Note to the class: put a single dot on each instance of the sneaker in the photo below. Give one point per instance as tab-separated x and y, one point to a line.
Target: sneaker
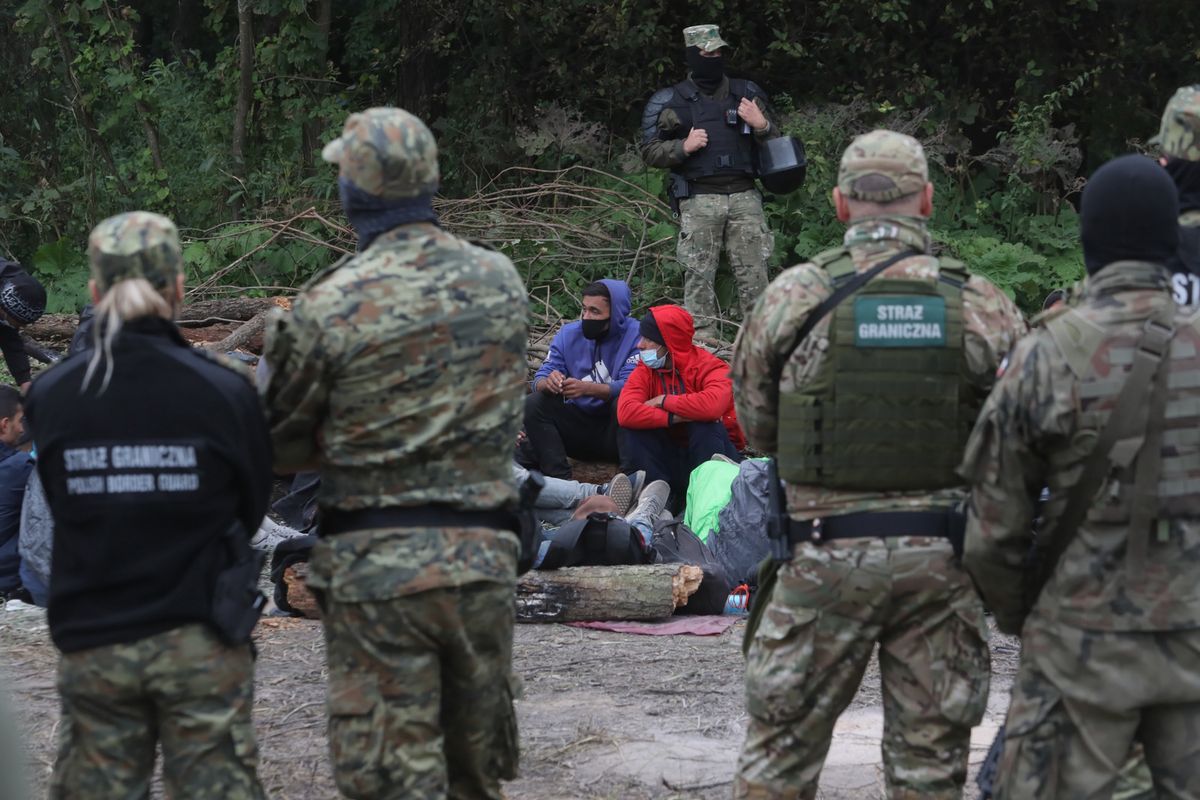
620	491
638	481
723	457
270	534
650	504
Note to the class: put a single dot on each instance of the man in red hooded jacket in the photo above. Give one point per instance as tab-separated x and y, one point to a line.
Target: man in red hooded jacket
676	410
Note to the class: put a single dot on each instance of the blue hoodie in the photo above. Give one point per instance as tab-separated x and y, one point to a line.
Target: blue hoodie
609	360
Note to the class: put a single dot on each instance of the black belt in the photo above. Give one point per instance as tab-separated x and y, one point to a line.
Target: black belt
336	521
944	523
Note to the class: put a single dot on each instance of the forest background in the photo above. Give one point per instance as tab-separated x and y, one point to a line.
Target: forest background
214	112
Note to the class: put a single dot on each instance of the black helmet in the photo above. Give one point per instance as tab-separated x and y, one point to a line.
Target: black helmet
781	164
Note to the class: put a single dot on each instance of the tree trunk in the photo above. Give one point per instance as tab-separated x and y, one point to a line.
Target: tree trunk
312	128
59	327
85	116
237	150
579	594
246	335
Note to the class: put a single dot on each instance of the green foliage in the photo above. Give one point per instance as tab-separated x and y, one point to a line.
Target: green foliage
63	269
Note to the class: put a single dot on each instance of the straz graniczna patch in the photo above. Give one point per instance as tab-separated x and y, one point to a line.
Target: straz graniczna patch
899	321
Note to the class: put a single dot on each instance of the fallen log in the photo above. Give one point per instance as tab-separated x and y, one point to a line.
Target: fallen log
299	596
59	327
248	335
580	594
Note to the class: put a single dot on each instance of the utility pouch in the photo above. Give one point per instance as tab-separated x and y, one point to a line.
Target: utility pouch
680	189
237	603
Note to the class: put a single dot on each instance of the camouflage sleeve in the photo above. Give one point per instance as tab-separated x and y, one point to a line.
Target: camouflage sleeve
299	356
772	129
665	147
1006	474
762	348
993	325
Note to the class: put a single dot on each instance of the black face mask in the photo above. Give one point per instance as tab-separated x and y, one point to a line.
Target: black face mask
595	329
707	72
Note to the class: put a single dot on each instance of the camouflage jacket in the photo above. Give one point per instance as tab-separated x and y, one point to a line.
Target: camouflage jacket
1033	433
992	325
400	374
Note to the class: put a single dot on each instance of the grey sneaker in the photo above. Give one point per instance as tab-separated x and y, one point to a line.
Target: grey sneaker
620	491
650	504
638	481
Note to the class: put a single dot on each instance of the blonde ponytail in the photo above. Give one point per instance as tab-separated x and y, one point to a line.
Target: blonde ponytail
123	301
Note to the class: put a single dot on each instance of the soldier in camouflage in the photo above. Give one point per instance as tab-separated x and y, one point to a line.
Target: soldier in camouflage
399	374
866	405
1178	140
1111	640
155	458
703	130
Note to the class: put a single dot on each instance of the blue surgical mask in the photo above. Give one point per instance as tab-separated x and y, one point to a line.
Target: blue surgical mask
652	359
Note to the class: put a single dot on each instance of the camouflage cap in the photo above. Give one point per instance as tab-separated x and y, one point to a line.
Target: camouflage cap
1179	134
387	153
137	244
706	37
882	166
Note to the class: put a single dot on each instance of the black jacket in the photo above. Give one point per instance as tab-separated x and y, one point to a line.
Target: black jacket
10	338
143	481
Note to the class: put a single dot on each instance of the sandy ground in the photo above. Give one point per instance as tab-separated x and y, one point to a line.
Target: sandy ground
604	715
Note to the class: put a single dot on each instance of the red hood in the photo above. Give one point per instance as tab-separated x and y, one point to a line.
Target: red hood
676	326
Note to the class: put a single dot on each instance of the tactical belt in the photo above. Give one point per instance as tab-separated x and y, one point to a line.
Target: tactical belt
336	521
875	525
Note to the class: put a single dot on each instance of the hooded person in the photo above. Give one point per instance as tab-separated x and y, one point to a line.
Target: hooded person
1178	140
22	302
676	410
572	408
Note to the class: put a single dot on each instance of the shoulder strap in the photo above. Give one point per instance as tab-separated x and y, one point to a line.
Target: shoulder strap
1126	426
840	293
688	90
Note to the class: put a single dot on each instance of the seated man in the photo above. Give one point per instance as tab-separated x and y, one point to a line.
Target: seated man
571	409
676	410
560	499
15	466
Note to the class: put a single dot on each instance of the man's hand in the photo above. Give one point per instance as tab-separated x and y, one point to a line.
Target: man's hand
25	387
552	383
573	388
656	402
697	138
751	114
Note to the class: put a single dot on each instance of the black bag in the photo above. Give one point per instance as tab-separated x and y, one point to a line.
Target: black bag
237	603
676	543
601	540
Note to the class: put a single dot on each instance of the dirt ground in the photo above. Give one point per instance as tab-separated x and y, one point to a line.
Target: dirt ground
604	715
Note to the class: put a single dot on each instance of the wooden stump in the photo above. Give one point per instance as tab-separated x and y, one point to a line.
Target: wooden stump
298	596
579	594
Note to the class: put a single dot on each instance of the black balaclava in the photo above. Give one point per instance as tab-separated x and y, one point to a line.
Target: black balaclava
706	72
1186	175
1129	212
370	215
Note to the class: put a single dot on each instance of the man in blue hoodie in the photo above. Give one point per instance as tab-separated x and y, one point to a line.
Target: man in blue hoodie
572	410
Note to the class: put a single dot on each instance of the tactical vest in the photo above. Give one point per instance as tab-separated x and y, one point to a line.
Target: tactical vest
1100	359
890	407
729	151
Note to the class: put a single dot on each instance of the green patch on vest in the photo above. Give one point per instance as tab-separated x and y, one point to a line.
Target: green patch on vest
899	321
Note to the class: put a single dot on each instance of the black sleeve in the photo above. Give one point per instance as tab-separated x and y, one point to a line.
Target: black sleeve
253	441
14	354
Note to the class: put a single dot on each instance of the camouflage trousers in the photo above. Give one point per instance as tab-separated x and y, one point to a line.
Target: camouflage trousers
1080	700
420	699
831	605
706	223
183	689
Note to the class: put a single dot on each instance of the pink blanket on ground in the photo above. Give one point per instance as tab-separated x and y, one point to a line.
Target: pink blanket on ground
713	625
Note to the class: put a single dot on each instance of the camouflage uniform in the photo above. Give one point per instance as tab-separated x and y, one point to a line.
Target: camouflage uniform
1105	654
400	373
203	694
183	689
1179	138
729	213
833	602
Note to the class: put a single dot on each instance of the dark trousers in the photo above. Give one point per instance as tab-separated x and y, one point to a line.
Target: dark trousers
557	429
666	458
